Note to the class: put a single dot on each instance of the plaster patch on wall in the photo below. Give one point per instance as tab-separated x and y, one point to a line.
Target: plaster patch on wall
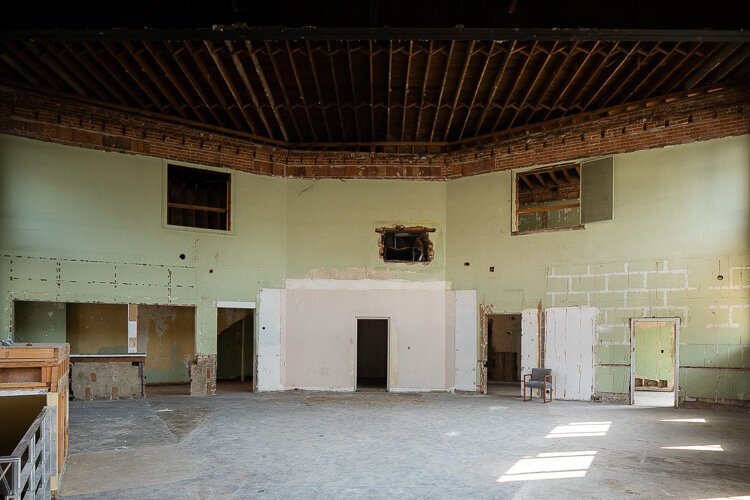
351	273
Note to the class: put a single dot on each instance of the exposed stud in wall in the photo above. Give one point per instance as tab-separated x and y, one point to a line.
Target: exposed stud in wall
492	269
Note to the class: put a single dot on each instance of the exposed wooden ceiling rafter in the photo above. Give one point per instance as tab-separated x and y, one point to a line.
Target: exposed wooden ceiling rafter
363	95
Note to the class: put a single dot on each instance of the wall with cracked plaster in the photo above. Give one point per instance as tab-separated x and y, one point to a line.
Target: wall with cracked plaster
682	218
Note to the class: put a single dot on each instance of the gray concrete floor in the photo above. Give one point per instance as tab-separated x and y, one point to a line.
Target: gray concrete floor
380	445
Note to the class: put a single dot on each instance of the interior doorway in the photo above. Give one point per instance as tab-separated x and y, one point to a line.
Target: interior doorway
235	353
654	363
372	354
503	352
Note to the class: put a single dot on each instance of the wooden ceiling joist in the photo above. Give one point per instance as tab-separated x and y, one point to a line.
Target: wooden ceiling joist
369	92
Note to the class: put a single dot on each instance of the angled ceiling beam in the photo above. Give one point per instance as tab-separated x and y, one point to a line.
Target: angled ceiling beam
19	68
233	91
511	91
317	87
136	54
336	90
634	73
644	81
672	76
495	85
372	95
79	54
571	80
100	57
477	86
266	88
611	76
301	91
135	75
176	82
389	91
733	62
53	65
711	64
210	106
461	79
541	180
531	87
75	69
423	94
280	79
588	79
354	90
406	89
526	181
33	64
442	89
217	93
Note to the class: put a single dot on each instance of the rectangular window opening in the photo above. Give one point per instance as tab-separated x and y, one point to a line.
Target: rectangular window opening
198	198
548	198
406	244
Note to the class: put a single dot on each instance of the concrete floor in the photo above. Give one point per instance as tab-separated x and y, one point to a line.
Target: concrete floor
381	445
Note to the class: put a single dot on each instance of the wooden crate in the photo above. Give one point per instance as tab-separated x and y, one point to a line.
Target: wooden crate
41	368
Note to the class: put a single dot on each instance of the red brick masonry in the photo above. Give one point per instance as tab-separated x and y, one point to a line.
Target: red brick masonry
76	123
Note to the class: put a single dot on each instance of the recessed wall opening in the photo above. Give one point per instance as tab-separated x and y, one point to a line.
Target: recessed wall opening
198	198
89	328
406	244
167	335
372	354
654	363
503	350
234	350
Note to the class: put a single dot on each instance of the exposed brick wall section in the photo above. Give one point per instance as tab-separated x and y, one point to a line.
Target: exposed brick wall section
66	121
39	116
708	117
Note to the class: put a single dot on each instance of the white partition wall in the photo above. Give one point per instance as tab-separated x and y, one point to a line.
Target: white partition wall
467	340
529	340
320	332
569	350
269	359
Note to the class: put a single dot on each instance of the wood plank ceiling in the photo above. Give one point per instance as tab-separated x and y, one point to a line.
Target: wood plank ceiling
359	94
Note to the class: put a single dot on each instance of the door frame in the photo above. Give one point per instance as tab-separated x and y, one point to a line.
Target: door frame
387	349
238	304
676	321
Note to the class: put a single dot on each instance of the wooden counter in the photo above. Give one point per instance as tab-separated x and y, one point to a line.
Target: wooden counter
37	369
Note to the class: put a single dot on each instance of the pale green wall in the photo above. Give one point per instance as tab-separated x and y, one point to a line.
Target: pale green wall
683	207
654	351
39	322
331	227
78	225
83	225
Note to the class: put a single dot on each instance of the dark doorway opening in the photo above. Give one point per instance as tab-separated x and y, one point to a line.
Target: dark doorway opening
234	350
504	348
372	354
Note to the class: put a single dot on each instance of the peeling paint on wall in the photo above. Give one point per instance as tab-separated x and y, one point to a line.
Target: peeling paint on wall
167	335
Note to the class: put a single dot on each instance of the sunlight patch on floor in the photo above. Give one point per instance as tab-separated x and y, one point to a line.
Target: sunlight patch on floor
705	447
561	465
580	429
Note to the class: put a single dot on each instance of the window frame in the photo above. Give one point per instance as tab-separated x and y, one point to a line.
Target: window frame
165	198
515	205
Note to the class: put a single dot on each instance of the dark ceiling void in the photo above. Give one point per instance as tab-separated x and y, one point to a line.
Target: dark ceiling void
364	95
333	14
